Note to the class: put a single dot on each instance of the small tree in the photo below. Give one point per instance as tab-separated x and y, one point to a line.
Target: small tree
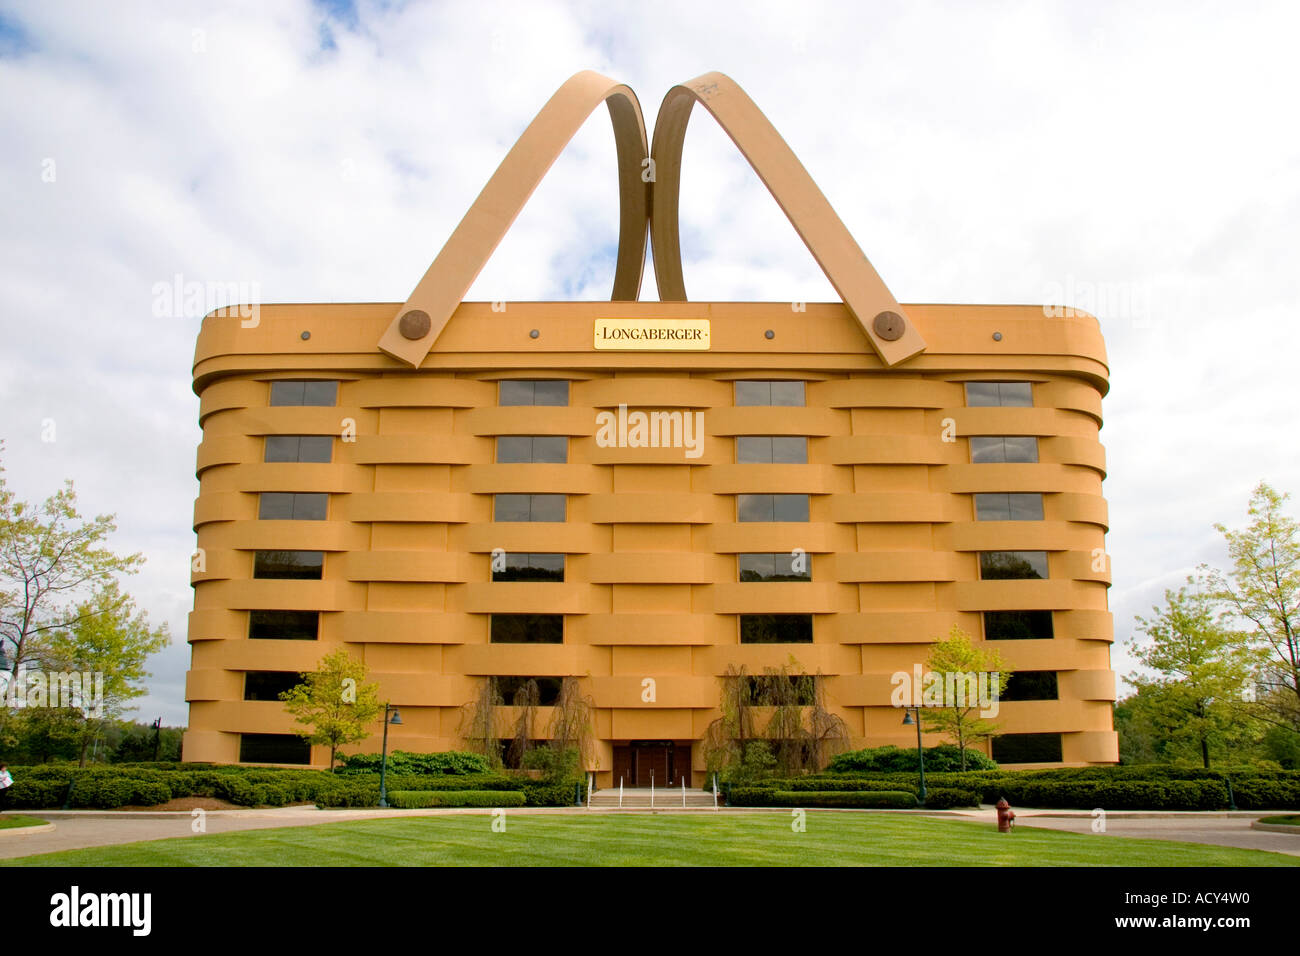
334	702
526	701
570	727
1262	590
478	722
107	637
726	738
957	717
1200	662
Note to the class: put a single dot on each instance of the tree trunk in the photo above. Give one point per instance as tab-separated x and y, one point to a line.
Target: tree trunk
1205	752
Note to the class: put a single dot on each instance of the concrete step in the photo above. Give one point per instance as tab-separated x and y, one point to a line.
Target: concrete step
640	798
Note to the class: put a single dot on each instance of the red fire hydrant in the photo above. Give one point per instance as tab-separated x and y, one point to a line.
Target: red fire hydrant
1006	816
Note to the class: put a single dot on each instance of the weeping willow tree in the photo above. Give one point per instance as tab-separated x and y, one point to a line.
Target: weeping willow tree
727	737
570	726
478	722
828	734
526	701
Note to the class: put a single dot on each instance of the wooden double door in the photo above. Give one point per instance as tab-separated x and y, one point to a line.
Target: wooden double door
638	761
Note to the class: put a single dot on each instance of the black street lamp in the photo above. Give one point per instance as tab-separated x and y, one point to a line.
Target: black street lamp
383	760
920	754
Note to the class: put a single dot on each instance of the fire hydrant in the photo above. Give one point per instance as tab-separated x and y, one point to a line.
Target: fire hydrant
1006	816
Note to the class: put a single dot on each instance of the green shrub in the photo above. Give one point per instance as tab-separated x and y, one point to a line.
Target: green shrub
38	794
942	758
833	782
944	798
401	761
539	793
1260	794
1117	795
419	799
860	799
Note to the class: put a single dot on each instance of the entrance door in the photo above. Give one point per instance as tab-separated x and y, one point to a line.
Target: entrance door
669	762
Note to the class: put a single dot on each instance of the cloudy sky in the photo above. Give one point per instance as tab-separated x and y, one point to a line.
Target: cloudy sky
1139	161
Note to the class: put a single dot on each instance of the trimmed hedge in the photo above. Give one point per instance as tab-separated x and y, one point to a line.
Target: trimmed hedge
944	757
858	799
946	798
401	761
420	799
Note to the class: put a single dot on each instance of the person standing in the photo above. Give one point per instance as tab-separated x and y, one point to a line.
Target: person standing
6	781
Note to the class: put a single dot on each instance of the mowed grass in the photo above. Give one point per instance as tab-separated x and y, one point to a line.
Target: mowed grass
751	839
10	823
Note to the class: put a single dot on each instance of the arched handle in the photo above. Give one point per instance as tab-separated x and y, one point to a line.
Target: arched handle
882	319
424	315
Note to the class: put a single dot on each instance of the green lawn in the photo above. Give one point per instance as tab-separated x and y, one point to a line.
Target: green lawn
9	823
753	839
1293	821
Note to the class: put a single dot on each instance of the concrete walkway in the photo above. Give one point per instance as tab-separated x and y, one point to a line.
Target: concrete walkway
76	829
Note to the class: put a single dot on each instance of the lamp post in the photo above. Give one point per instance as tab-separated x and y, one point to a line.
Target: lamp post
920	754
383	760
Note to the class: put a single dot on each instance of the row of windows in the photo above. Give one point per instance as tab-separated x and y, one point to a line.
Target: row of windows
994	566
998	625
314	506
512	449
292	749
1022	686
556	392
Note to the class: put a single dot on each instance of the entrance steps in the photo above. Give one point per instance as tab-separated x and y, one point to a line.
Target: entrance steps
638	798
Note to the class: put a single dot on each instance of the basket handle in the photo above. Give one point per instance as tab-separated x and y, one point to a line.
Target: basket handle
456	267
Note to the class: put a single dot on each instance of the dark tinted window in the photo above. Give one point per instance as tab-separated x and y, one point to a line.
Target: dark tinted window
527	628
779	566
533	392
999	393
299	448
289	564
1013	506
1031	685
1004	565
772	507
779	449
1018	625
1003	448
304	393
1027	748
528	508
284	625
776	629
273	748
292	506
530	567
548	689
532	448
268	685
769	393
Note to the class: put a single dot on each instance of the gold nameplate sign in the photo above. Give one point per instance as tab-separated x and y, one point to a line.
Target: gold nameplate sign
653	335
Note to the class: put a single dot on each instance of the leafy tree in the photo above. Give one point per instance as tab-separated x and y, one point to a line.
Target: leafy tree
1262	590
478	722
1201	663
334	702
726	738
570	728
108	637
960	718
526	700
51	558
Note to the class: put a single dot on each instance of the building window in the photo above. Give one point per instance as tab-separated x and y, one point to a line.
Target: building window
283	625
299	448
292	506
1031	685
530	567
1012	565
1018	394
548	688
269	685
776	566
527	628
528	508
512	449
1027	748
992	449
533	392
779	449
304	393
776	629
273	748
1018	625
1012	506
772	507
770	393
290	565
